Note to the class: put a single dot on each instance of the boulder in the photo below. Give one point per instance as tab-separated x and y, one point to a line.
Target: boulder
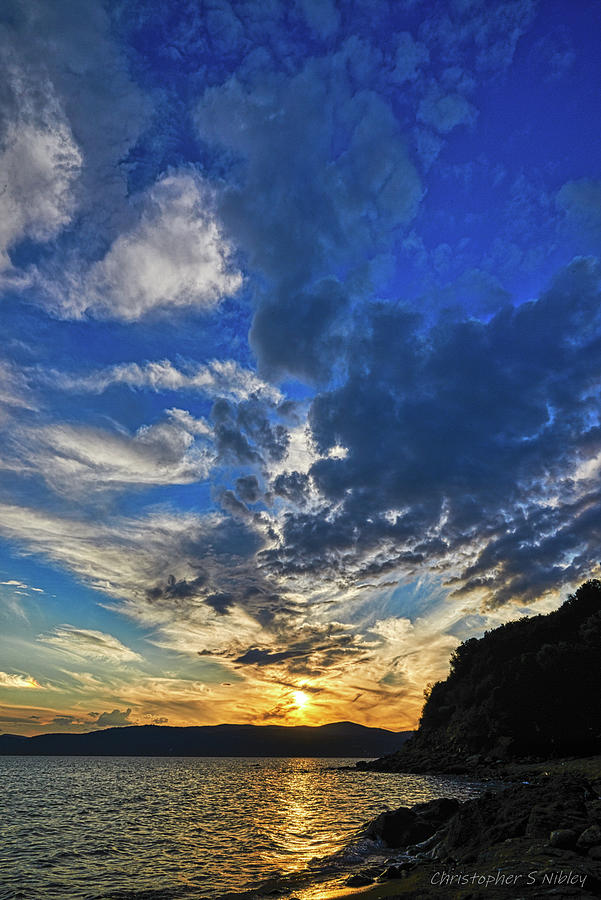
590	837
404	826
563	838
398	828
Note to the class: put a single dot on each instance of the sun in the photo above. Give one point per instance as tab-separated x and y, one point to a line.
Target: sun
300	699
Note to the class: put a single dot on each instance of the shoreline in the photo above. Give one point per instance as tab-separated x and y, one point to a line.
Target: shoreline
533	863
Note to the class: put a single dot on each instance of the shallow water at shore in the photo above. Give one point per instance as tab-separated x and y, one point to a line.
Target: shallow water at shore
85	828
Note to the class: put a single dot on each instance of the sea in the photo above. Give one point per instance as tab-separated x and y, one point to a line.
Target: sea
130	828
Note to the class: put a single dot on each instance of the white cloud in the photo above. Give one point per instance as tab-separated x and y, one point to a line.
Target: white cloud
21	584
174	255
10	680
14	387
39	163
66	76
85	642
218	378
121	556
72	458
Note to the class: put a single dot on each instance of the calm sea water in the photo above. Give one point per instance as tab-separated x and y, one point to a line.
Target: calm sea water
89	827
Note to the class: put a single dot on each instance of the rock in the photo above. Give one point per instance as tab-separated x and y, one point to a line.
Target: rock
398	871
398	828
405	826
533	811
564	838
436	812
591	837
358	879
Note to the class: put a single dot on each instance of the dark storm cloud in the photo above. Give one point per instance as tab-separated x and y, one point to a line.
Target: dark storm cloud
248	489
466	431
308	651
245	433
178	590
293	486
220	602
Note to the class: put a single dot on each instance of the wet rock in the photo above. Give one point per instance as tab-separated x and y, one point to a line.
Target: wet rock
590	837
405	826
564	838
359	879
398	828
396	871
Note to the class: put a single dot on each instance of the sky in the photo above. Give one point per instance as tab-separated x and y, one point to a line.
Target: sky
301	357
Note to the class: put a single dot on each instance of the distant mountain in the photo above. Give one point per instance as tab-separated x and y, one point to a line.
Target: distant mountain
337	739
528	688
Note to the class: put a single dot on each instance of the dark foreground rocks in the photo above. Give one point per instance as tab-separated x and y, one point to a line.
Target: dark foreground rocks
405	826
531	840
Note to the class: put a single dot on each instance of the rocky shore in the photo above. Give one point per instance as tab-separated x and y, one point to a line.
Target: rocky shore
537	839
540	837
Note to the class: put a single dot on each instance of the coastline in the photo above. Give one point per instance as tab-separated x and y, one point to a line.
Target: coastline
527	838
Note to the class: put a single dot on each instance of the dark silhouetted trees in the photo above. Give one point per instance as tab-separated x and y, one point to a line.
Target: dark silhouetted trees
530	687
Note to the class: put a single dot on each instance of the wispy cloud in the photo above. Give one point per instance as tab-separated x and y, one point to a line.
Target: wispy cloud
86	643
12	680
76	458
218	378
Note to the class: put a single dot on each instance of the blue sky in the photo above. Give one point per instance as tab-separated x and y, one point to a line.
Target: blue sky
300	375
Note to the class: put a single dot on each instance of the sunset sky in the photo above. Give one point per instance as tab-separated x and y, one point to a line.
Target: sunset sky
301	357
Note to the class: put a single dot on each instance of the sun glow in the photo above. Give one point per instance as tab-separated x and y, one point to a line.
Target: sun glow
300	699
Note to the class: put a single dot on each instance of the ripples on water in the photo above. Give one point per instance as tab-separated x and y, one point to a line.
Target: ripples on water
89	827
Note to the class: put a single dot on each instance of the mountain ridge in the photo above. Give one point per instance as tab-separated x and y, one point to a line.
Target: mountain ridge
332	739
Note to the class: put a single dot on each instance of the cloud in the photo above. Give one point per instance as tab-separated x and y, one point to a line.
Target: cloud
410	56
76	458
86	643
126	556
11	680
21	584
443	111
218	378
174	255
247	488
15	390
39	163
487	34
580	201
71	114
246	433
351	195
116	717
462	443
321	15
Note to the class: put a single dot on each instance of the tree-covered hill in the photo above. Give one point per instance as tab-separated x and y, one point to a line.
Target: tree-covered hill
528	688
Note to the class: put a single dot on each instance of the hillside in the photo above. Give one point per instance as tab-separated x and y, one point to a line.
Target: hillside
337	739
528	688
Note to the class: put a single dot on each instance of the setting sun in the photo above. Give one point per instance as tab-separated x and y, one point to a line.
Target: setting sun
300	698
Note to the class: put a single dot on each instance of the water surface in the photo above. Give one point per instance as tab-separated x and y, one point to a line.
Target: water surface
121	827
